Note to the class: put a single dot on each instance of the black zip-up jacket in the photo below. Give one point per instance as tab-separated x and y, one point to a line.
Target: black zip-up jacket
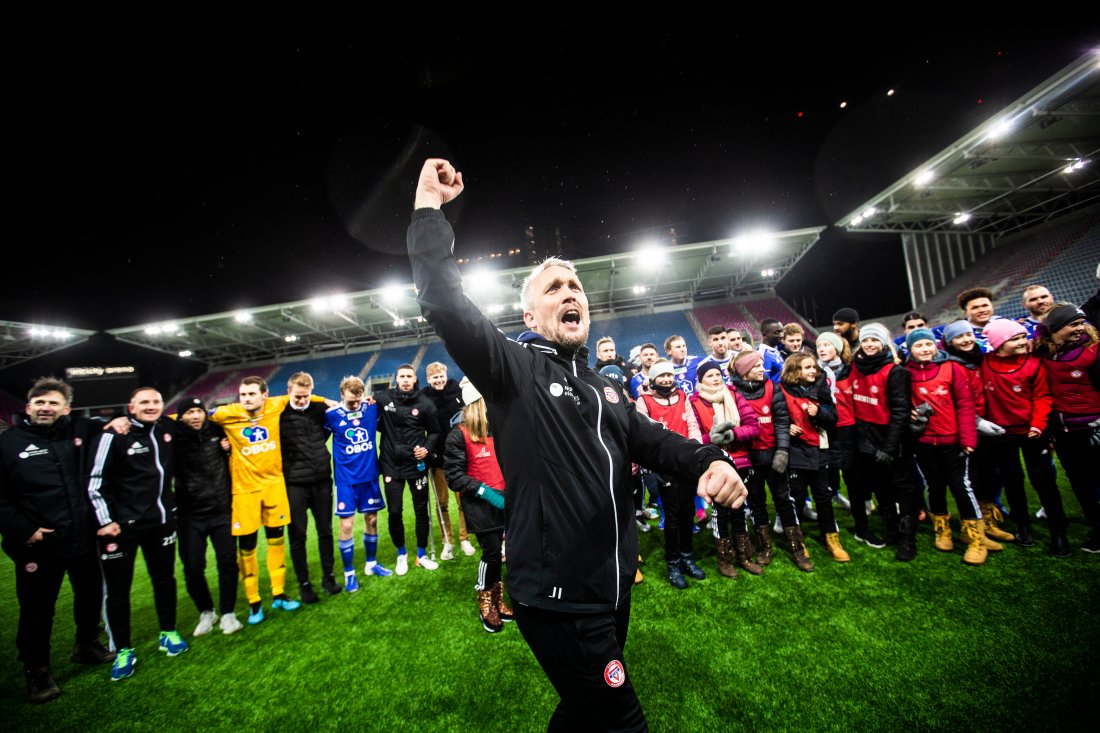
448	404
306	460
406	420
131	477
781	417
565	439
891	438
802	454
43	484
481	516
203	486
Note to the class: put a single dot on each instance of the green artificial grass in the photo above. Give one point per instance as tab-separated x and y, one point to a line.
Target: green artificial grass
871	645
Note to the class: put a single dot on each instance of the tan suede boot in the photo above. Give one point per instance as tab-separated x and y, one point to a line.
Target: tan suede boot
832	544
942	526
975	549
991	517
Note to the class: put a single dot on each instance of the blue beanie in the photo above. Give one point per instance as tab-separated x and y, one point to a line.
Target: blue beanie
953	330
918	334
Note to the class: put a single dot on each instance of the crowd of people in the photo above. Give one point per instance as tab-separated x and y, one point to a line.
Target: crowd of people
555	457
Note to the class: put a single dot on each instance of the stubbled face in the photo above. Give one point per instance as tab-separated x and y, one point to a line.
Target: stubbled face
774	334
406	380
1069	333
1015	346
914	323
792	343
979	311
923	351
299	396
719	345
807	373
873	347
965	342
647	357
844	329
677	351
713	378
351	400
559	311
606	352
736	342
147	405
252	399
438	380
1038	301
193	418
46	409
825	351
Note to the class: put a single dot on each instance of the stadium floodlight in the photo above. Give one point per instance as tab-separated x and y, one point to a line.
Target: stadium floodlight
392	293
961	218
650	256
337	301
290	338
495	308
767	273
755	242
924	178
480	280
889	92
399	322
1001	129
186	353
153	330
843	105
517	306
639	289
242	317
1075	165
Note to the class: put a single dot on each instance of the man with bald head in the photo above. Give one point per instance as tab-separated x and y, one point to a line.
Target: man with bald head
566	439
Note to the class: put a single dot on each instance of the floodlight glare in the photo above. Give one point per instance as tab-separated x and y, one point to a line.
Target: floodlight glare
924	178
843	105
639	289
290	338
961	218
392	293
339	301
153	330
399	322
756	242
1075	166
889	92
495	308
242	317
650	256
185	353
480	279
1001	129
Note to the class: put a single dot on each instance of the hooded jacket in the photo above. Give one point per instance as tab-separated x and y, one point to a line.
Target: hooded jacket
202	470
43	484
448	404
565	437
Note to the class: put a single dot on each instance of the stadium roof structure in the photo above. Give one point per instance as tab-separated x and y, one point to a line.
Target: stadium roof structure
22	341
1035	160
634	282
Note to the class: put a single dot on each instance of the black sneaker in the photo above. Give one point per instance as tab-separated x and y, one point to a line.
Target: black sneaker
687	564
676	576
330	586
91	653
1092	542
40	686
907	549
1059	545
1024	537
870	539
307	593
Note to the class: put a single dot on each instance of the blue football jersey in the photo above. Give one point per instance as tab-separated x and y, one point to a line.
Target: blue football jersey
353	443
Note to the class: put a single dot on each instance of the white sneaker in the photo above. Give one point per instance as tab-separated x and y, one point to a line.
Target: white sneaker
842	501
448	552
870	505
402	565
809	512
206	623
427	563
1041	514
777	528
503	555
468	549
229	624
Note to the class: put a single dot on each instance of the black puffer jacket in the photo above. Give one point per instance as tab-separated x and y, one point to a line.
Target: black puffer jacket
803	455
406	420
565	437
448	404
202	470
306	460
43	484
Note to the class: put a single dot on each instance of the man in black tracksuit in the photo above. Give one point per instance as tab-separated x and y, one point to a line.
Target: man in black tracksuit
410	434
48	530
203	494
131	493
565	438
307	469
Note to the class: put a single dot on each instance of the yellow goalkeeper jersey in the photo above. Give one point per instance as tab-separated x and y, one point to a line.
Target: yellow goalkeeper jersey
256	460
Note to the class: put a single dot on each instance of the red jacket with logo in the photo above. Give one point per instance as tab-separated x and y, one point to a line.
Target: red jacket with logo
1017	396
944	385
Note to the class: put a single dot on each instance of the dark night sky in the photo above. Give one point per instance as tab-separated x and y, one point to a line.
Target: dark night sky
178	176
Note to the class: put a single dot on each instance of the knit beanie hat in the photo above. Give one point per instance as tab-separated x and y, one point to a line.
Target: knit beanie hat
918	334
190	403
470	395
1061	316
705	366
846	315
745	363
661	367
833	338
875	331
953	330
1000	330
614	373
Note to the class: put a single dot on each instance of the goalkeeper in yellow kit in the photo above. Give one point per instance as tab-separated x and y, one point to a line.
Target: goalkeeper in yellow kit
259	492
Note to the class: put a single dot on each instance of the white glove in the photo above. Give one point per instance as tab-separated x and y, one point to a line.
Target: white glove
989	428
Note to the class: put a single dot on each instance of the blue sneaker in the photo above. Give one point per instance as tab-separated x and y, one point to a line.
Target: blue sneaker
286	603
380	570
123	666
171	643
351	583
256	617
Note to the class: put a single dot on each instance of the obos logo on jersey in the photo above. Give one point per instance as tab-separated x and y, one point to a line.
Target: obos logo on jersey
614	674
257	439
359	439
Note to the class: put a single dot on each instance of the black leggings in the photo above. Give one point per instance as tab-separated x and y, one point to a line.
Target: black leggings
999	455
817	482
678	501
395	490
781	497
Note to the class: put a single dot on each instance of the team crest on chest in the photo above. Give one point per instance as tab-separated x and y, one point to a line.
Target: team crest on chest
610	395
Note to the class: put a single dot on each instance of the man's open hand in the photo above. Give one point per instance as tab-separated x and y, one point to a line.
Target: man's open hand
439	184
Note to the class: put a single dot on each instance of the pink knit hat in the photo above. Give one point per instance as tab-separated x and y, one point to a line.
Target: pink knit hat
744	363
1000	330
